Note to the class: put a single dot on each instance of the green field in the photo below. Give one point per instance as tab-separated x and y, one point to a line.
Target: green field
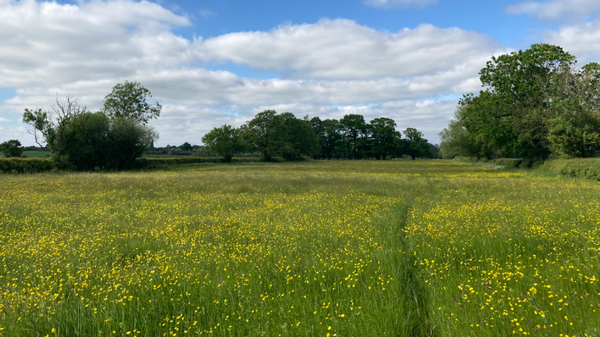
36	154
340	248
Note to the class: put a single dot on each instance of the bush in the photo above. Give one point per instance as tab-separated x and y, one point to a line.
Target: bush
11	148
588	168
19	165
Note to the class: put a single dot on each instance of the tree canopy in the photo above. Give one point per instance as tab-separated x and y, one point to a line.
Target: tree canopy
128	100
534	103
83	140
275	134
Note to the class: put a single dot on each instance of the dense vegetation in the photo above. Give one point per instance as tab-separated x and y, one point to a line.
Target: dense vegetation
283	135
536	103
114	137
346	248
108	139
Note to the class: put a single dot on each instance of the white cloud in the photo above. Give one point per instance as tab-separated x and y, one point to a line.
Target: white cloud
342	49
49	49
556	9
387	4
582	40
50	43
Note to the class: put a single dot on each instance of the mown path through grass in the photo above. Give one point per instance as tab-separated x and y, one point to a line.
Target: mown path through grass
299	249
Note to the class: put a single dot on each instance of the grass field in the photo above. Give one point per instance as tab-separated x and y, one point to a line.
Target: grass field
36	154
342	248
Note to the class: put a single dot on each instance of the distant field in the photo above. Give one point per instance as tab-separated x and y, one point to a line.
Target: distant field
36	154
341	248
163	156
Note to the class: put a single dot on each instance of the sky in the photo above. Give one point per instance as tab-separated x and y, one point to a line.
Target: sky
215	62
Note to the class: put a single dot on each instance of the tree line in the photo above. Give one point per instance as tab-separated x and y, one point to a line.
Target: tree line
535	104
283	135
117	134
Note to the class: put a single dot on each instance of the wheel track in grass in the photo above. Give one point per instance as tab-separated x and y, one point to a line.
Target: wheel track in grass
411	286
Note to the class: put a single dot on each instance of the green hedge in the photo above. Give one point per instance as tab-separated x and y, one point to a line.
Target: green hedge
588	168
35	165
22	165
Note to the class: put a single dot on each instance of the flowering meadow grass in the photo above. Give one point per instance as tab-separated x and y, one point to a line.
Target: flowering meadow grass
341	248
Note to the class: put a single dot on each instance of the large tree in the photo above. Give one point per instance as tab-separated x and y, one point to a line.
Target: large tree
11	148
56	126
354	126
109	139
263	134
416	145
513	109
225	140
299	139
574	129
383	133
128	100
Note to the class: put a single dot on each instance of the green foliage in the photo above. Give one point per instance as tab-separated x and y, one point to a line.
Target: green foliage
58	126
186	146
299	139
88	145
263	134
329	137
511	114
535	104
11	148
40	125
128	100
279	135
128	140
353	125
456	140
19	165
588	168
574	135
383	135
574	128
416	145
226	141
82	140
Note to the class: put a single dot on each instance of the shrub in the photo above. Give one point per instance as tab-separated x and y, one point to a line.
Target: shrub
11	148
588	168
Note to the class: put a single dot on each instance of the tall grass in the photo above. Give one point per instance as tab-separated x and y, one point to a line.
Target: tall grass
315	248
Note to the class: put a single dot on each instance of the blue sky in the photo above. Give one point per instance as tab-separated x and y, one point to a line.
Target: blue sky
220	62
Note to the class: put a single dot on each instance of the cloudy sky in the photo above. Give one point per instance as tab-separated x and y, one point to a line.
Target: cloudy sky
219	62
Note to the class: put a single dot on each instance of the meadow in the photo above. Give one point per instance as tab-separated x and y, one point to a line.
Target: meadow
319	248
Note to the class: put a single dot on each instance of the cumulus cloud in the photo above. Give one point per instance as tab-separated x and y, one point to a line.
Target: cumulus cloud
387	4
343	49
556	9
582	40
327	68
49	43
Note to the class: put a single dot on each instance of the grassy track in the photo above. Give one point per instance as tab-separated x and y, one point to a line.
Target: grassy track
298	249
